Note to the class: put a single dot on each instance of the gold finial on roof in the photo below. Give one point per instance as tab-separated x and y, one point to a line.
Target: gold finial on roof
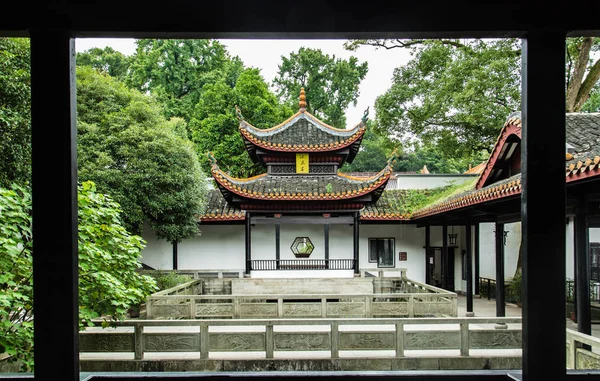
302	102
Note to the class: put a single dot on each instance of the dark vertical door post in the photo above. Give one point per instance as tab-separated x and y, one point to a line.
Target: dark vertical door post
277	244
445	256
428	265
543	204
477	259
356	222
582	277
469	271
54	203
500	300
326	238
248	243
174	255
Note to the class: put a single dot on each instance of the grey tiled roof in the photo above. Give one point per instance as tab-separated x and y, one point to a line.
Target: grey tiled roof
302	132
218	209
301	187
583	133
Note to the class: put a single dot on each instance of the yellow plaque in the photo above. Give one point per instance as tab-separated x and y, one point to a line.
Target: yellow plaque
301	163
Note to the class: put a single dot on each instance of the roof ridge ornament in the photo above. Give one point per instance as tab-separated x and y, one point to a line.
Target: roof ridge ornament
211	158
302	102
238	113
393	157
365	116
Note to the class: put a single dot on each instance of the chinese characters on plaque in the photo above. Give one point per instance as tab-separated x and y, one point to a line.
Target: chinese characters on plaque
302	163
402	255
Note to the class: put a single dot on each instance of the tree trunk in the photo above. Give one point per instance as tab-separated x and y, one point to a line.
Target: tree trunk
587	86
578	73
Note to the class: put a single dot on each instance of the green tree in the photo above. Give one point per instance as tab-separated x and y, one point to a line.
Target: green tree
330	84
15	114
375	150
106	60
419	155
214	125
142	160
456	94
176	70
453	94
583	73
108	259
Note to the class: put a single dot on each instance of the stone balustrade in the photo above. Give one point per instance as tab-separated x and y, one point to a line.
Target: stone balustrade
394	337
404	298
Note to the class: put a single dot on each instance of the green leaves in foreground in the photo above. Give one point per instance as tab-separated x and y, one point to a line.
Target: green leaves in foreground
108	259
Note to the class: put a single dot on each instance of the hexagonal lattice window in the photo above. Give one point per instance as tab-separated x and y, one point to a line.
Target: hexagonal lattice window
302	247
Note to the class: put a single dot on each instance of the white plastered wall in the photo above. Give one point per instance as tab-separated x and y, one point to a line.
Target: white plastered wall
407	238
487	250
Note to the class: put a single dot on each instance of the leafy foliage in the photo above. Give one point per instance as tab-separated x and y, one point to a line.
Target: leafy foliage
170	279
455	95
109	257
330	84
108	261
452	94
16	278
143	161
15	111
375	149
106	60
214	125
176	70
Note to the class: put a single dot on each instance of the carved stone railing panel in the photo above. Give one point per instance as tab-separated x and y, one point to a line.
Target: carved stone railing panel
346	309
207	310
397	309
367	340
106	342
302	310
431	340
258	310
236	342
171	310
495	339
432	308
296	341
586	359
171	342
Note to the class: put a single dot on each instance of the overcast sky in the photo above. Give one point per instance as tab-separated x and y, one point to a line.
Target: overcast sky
266	55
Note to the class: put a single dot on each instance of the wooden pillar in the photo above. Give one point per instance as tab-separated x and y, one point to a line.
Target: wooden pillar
54	202
444	256
477	258
427	250
277	244
356	222
248	243
469	271
326	239
500	300
543	204
174	255
582	268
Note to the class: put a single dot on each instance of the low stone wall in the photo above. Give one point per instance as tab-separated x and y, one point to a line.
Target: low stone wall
578	357
385	340
290	286
290	298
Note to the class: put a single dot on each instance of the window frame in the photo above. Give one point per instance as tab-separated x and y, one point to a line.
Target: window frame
378	260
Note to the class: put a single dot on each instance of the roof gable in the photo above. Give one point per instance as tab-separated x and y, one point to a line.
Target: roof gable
505	159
